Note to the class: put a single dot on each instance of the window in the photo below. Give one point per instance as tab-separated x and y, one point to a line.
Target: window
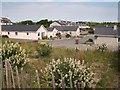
27	33
16	33
8	33
38	34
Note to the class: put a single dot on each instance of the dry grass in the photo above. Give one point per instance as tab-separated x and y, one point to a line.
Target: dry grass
105	63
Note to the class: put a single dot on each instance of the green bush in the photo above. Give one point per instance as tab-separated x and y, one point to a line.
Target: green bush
5	36
68	67
68	35
44	49
45	37
91	31
58	35
14	53
89	40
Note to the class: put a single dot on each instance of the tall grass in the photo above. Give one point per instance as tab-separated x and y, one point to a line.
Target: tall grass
105	63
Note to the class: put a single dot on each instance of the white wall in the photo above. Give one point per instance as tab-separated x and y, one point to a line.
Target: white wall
52	33
109	41
84	27
73	33
78	32
41	30
21	35
54	24
49	34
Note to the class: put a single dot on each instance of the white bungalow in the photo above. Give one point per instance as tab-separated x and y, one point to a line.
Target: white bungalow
32	32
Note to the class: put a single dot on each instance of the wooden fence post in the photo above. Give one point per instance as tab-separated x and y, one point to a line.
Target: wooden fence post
63	83
71	82
30	80
12	75
17	75
22	79
9	75
38	80
6	71
80	87
3	78
1	66
53	81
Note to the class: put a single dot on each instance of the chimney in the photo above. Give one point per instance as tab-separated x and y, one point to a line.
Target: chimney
115	27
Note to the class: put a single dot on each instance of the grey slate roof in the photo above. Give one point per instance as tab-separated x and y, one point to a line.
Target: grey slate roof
50	29
103	30
20	28
66	28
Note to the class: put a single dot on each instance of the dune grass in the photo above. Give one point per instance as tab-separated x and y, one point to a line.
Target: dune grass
105	63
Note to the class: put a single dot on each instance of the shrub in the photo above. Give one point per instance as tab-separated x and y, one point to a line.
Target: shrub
58	35
89	40
67	68
45	37
5	36
44	49
91	31
68	35
14	53
102	47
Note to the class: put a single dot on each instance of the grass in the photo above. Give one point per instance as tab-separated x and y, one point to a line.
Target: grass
105	63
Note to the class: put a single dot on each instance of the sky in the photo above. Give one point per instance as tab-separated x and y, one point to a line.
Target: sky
54	10
60	0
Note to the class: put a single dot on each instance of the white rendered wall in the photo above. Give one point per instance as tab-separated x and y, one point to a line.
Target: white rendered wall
109	41
21	35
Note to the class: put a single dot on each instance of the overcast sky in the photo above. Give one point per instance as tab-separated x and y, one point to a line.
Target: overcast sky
74	11
60	0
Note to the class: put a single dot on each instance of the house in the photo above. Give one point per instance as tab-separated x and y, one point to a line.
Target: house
58	23
32	32
106	35
74	31
5	21
35	32
65	23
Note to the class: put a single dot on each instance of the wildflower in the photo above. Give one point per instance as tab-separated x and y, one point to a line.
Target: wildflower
67	67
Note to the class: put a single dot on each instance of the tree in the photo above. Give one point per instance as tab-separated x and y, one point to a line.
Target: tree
44	22
26	22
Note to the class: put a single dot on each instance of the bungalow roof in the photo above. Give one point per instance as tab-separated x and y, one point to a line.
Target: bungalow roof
106	31
66	28
20	28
